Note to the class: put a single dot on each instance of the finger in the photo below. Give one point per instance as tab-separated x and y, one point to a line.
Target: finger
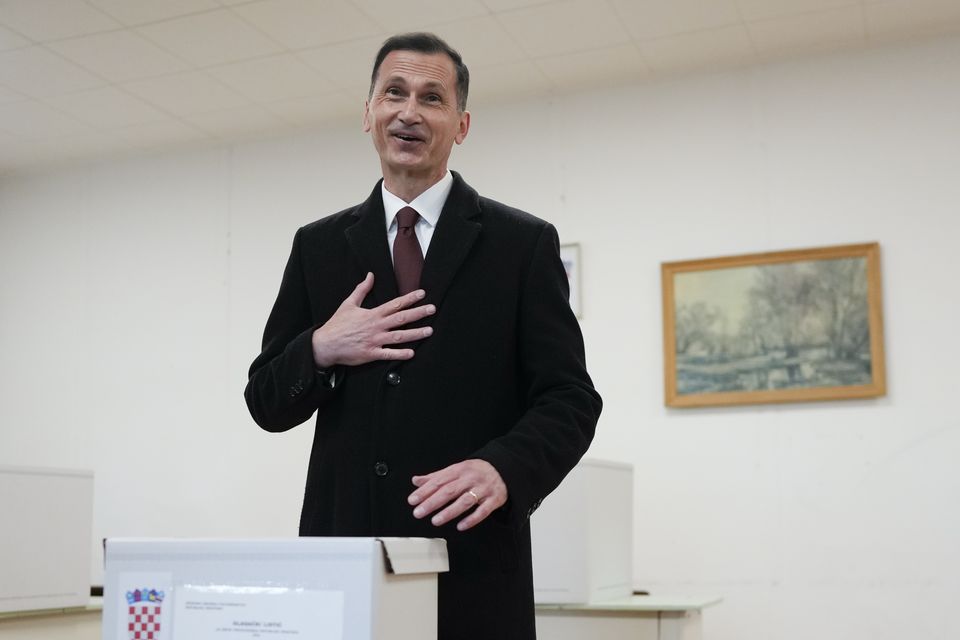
478	515
361	290
429	482
401	302
406	316
454	510
392	354
485	507
437	497
408	335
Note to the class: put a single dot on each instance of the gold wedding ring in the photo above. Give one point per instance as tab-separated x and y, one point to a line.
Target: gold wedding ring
475	497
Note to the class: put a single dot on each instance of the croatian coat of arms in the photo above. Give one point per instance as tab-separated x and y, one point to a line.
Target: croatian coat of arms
143	614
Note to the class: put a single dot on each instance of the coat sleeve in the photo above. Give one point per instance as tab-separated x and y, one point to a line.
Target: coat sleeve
284	387
562	405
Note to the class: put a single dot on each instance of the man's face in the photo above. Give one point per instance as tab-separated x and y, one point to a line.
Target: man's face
412	114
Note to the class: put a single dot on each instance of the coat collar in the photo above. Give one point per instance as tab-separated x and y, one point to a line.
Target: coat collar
452	240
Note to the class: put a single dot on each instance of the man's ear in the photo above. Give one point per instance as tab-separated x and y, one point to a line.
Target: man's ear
464	127
366	116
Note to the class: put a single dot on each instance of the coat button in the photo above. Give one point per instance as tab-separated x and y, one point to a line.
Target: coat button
381	469
393	378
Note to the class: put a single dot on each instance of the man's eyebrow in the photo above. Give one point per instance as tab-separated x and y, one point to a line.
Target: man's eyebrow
429	84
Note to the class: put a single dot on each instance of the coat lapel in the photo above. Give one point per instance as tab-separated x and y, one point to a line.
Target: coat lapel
455	234
368	240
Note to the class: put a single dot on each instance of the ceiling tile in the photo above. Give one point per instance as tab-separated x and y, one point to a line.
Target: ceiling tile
238	123
210	38
11	40
186	93
84	146
348	65
905	18
119	56
509	5
37	72
481	41
301	24
809	31
137	12
9	95
712	48
416	15
14	151
54	19
515	79
32	119
564	27
611	65
648	19
19	154
270	79
311	111
753	10
162	135
107	108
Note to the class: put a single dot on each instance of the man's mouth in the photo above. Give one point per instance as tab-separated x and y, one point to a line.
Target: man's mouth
407	138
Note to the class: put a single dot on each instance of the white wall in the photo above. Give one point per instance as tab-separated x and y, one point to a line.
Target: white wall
133	296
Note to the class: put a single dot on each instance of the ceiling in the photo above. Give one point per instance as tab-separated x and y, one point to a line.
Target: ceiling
82	79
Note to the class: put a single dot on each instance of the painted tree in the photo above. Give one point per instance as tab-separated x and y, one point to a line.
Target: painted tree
694	325
841	295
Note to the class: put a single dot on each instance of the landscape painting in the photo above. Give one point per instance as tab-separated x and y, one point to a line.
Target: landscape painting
774	327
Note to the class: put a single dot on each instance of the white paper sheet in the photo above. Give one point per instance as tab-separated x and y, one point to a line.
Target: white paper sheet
221	612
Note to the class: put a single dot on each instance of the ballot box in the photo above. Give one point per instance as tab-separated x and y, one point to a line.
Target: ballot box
582	536
46	538
289	589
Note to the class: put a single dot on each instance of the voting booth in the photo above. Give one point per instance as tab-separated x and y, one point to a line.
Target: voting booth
291	589
582	536
46	538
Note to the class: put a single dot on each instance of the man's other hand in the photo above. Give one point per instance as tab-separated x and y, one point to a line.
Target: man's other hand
354	335
455	490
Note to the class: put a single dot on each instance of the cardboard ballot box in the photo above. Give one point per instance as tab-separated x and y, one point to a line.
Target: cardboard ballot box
582	536
291	589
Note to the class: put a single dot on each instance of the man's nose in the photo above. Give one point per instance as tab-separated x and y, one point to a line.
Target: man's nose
410	112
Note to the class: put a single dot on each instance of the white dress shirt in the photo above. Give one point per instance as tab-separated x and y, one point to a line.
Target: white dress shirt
428	204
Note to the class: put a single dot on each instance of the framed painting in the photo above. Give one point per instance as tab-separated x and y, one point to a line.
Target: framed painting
787	326
570	256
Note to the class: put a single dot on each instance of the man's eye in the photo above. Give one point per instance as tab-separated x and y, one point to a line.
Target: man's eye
392	91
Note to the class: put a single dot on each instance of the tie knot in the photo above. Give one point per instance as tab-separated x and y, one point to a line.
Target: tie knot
407	217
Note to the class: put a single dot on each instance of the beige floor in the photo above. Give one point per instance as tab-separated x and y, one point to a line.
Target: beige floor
84	625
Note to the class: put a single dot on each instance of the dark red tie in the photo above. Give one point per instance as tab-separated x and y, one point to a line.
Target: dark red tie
407	256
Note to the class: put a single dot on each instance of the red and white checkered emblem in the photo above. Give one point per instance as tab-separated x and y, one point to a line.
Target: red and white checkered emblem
143	622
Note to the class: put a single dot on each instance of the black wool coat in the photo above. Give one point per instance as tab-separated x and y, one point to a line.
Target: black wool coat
502	379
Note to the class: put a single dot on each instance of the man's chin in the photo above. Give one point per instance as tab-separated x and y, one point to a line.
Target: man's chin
407	164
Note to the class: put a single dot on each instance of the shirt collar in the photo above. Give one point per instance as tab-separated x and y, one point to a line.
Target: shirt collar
428	204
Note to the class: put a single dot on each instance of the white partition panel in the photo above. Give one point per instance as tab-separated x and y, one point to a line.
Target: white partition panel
46	524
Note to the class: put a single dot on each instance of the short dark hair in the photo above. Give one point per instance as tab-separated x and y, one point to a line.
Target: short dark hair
425	43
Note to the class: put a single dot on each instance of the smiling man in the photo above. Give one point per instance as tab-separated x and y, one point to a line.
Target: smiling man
429	330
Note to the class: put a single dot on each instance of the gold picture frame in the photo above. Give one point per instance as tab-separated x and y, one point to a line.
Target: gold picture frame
785	326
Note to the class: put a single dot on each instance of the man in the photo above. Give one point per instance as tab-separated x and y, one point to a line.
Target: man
450	390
